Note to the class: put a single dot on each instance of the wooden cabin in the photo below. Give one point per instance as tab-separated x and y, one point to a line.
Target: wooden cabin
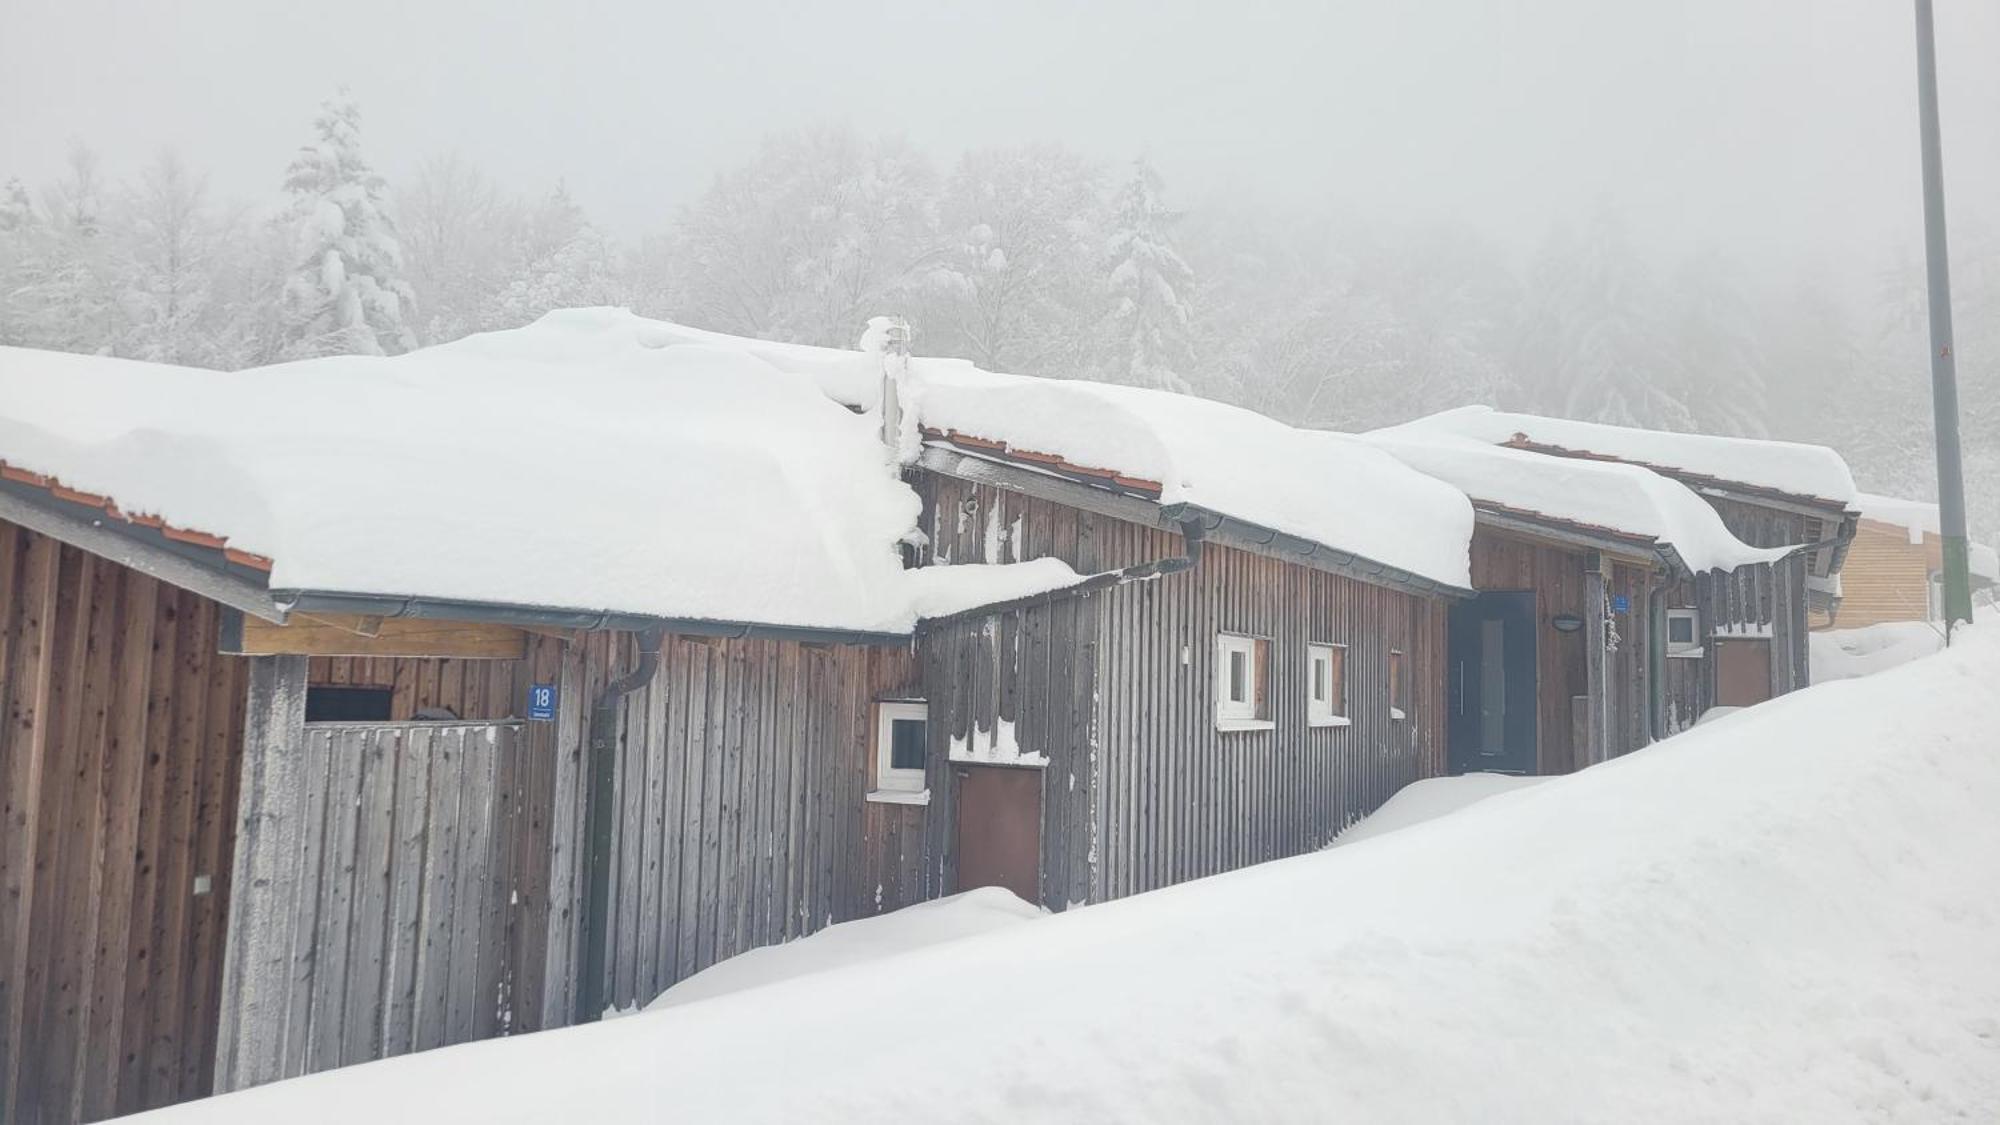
257	825
1732	635
1894	567
1243	707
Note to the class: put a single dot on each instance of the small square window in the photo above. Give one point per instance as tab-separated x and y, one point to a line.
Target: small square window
1242	699
1326	689
902	738
1683	632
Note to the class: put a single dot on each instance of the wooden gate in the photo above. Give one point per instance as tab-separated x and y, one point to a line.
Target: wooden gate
415	860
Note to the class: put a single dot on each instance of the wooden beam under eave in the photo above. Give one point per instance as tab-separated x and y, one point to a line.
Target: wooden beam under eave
352	635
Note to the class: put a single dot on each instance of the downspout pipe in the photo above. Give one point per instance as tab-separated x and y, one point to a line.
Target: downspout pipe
599	820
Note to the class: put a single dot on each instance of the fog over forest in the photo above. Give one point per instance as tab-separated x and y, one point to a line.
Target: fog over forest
1707	218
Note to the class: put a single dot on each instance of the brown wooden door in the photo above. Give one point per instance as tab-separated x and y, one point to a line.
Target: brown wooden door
1000	829
1742	671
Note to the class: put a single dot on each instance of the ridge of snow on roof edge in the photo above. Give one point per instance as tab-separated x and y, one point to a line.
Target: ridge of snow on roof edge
1800	469
1613	496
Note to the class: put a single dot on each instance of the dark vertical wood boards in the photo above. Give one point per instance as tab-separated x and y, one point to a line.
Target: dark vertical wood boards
120	738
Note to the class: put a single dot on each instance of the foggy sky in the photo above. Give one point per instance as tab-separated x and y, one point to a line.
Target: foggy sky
1783	130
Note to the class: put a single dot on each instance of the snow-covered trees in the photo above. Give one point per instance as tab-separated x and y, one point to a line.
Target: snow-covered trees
59	290
1028	258
1592	344
1014	285
346	292
818	232
1147	328
563	262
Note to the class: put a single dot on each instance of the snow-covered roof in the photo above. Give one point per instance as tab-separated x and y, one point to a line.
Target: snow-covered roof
1920	518
592	460
1805	471
1332	489
1606	496
599	461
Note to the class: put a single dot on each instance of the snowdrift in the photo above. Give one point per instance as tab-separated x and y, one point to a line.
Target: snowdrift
1786	916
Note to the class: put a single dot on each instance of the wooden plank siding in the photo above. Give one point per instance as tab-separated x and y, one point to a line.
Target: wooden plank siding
120	737
1555	575
1117	690
1759	598
1887	577
742	817
406	889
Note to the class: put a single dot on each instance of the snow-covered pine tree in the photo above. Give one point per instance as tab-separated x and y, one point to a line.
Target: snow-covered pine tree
1147	338
1591	344
346	293
565	262
1013	289
57	291
16	208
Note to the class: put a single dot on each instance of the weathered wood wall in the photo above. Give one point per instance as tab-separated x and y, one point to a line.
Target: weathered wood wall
742	815
1761	599
1117	690
422	852
120	737
1771	596
1555	575
490	690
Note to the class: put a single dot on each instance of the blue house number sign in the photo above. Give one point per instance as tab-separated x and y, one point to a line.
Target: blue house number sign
542	701
1620	603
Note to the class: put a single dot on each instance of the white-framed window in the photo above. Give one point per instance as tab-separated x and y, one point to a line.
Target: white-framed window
1683	632
902	739
1399	686
1242	698
1326	686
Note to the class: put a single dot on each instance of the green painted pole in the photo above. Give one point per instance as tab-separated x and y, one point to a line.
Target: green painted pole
1944	364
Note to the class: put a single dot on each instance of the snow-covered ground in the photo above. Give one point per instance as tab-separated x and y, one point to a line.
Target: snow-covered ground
1786	916
1433	797
1842	654
926	924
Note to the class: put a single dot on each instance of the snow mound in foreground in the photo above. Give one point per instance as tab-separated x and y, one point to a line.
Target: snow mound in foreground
1842	654
1422	801
922	926
1786	916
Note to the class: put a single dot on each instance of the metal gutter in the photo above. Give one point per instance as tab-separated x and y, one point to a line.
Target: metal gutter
161	560
543	617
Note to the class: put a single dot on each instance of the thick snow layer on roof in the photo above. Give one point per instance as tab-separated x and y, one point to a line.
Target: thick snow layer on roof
1802	470
1920	518
1332	489
1785	916
1626	499
593	460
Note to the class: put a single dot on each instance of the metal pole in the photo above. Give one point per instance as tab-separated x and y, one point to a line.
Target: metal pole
1944	366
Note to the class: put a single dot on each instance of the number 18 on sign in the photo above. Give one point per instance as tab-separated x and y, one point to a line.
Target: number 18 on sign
542	702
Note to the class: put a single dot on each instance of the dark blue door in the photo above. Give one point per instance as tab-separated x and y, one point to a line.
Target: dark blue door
1491	684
